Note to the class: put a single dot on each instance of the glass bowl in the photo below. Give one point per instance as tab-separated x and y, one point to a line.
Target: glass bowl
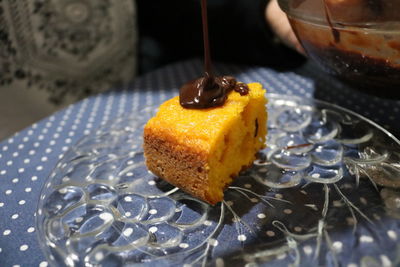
356	40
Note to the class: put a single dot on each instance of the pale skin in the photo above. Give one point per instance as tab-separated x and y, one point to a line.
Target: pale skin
279	23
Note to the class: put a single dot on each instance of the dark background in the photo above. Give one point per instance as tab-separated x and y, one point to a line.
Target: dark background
171	31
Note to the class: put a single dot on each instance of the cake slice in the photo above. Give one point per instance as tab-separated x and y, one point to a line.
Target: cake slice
202	150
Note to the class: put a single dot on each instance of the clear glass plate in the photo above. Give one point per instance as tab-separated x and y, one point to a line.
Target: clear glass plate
324	192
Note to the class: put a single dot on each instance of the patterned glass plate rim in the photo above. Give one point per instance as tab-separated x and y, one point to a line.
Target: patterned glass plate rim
311	101
325	168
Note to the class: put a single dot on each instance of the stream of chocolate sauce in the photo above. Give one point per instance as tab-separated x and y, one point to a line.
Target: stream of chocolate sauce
210	90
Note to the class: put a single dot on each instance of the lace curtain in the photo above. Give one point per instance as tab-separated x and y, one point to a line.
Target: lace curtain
67	47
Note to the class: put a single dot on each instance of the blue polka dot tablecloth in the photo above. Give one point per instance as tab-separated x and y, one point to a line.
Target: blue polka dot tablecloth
28	157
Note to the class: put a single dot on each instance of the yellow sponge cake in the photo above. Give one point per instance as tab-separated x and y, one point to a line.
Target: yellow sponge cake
201	150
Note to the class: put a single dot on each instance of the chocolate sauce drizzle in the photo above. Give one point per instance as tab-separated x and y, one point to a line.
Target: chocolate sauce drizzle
210	90
335	32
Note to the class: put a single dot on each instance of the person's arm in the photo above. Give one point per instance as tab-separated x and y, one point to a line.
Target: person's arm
279	23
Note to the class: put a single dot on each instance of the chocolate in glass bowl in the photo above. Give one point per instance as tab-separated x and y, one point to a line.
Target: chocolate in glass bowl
356	40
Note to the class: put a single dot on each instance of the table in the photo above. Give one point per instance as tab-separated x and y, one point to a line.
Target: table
28	157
